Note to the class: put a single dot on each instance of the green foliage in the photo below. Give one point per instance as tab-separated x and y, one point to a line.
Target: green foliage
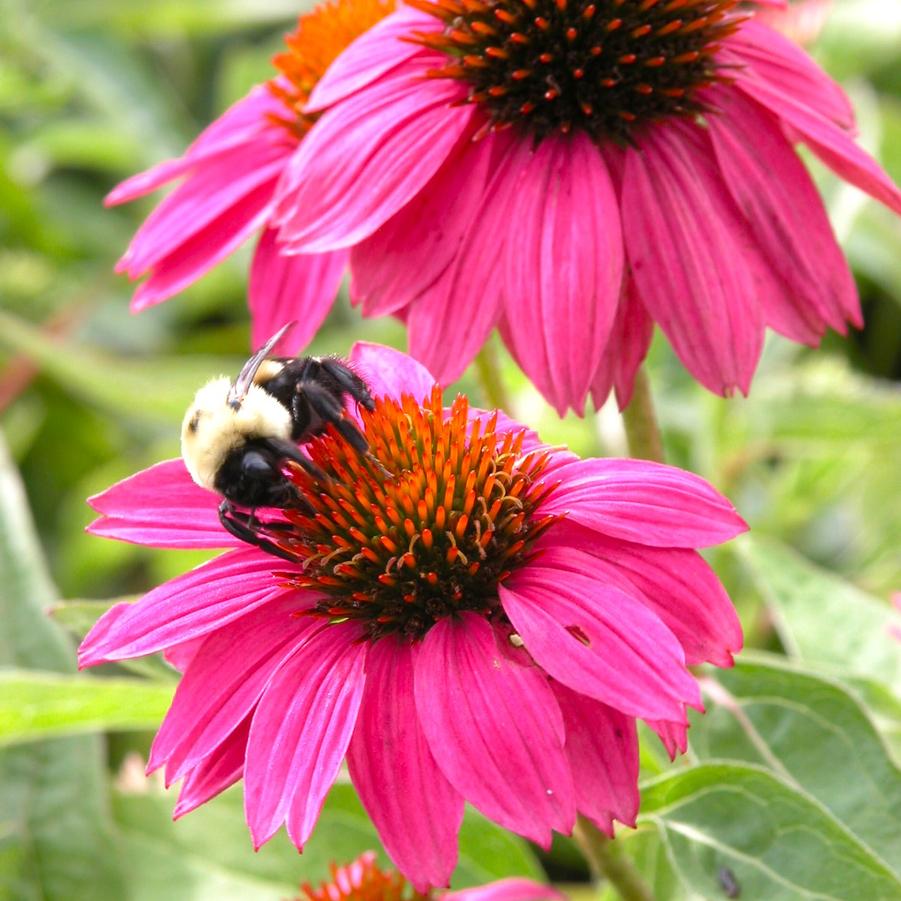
792	782
776	842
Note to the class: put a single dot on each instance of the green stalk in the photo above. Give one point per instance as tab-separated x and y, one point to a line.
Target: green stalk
489	370
642	431
609	862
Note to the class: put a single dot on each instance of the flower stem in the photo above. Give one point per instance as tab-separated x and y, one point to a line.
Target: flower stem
607	860
489	370
642	431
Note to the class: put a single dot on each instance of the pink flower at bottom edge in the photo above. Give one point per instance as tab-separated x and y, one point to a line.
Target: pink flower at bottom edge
647	175
484	625
364	880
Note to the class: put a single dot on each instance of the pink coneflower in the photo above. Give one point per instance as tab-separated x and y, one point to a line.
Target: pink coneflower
573	171
484	625
227	194
364	880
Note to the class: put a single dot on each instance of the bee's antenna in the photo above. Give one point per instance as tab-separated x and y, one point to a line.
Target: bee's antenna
242	383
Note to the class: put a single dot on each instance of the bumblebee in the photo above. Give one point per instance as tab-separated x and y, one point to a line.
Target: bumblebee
237	436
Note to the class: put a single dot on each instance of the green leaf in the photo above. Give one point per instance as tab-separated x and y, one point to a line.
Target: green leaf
158	389
822	619
724	820
37	705
56	837
813	734
208	854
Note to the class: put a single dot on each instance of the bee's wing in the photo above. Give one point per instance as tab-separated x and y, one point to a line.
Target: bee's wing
245	377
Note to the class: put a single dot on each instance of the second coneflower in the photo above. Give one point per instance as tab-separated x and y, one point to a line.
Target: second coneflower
574	171
228	186
477	617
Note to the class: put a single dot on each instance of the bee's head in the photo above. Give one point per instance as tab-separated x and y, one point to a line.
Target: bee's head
226	414
214	426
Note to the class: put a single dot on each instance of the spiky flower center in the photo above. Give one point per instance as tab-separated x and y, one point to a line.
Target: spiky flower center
362	880
604	66
320	36
432	534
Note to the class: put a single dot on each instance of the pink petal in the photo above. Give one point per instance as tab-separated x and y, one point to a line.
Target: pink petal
627	346
415	809
786	214
391	373
495	728
223	683
373	54
674	735
564	268
299	287
223	768
677	584
181	655
244	121
599	640
203	250
199	202
649	503
602	747
513	889
410	251
692	259
791	71
829	142
194	604
162	507
366	158
450	321
300	732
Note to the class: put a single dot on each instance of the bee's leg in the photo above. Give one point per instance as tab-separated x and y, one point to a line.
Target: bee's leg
348	381
329	409
245	528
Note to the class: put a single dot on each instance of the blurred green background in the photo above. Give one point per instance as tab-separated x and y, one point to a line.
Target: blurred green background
95	90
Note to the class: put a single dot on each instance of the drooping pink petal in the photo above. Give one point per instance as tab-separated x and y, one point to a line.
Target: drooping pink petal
692	259
512	889
415	809
375	53
391	373
599	640
834	146
242	122
674	735
494	727
180	655
199	202
564	267
411	250
785	212
648	503
194	604
366	158
602	747
677	584
223	682
300	731
452	319
298	287
203	250
161	507
627	346
791	71
222	769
